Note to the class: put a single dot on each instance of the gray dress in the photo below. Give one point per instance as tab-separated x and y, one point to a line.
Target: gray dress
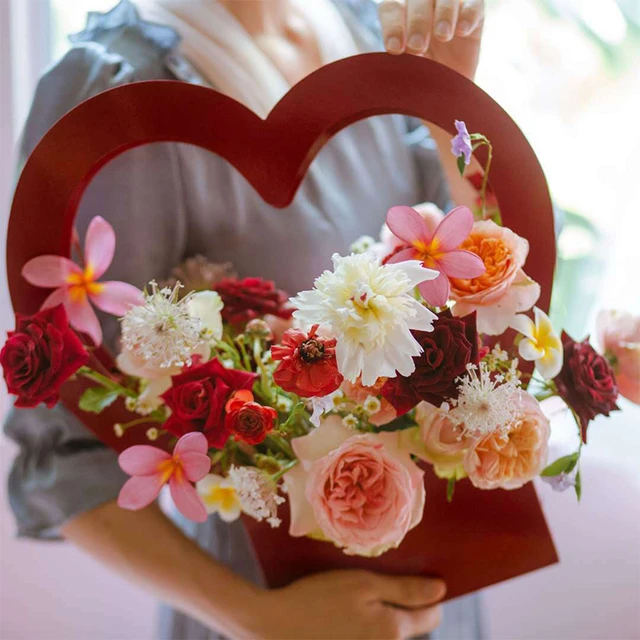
170	201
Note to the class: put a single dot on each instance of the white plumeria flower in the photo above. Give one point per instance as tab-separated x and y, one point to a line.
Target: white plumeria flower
220	496
207	305
370	310
540	343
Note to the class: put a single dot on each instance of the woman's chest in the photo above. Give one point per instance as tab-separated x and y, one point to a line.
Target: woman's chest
346	193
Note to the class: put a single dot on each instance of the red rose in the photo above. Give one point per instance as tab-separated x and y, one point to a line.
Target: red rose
197	399
447	350
247	420
308	364
251	298
586	382
39	356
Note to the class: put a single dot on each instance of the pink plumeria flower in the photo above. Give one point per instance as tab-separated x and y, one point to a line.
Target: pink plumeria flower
436	248
76	287
151	468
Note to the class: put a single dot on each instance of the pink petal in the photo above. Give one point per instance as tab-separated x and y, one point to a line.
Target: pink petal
139	492
59	296
117	298
407	224
436	292
194	442
99	246
195	465
187	500
302	519
402	256
49	271
461	264
142	460
454	228
83	318
321	441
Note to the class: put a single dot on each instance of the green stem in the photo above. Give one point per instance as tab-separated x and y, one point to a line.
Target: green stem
138	421
283	470
264	374
105	382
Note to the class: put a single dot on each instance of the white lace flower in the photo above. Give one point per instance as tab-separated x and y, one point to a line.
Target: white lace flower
258	494
162	331
485	404
369	309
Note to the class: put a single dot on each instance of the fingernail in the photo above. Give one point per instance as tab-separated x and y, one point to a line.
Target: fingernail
394	44
464	27
416	42
442	29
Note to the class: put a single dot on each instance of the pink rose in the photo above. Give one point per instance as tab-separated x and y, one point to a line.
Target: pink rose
509	462
442	442
619	337
359	491
504	289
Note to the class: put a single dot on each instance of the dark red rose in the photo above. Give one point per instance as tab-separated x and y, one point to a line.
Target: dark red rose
251	298
40	356
197	399
447	350
586	382
308	364
247	420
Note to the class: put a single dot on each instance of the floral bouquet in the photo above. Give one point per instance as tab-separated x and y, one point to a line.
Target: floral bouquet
422	348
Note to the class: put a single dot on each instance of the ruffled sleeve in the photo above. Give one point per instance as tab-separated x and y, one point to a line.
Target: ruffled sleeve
61	469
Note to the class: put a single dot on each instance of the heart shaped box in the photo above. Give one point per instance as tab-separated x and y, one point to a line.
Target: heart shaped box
482	537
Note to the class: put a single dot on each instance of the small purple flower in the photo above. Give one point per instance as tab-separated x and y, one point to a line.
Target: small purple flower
561	482
461	144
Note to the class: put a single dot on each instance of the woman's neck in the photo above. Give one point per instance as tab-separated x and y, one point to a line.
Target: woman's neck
260	16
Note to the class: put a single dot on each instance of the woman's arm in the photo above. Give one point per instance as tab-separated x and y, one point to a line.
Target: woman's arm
146	547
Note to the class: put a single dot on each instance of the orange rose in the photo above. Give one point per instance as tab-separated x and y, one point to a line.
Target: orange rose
504	289
509	462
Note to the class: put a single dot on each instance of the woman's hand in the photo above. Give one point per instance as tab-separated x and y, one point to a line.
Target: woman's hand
447	31
348	604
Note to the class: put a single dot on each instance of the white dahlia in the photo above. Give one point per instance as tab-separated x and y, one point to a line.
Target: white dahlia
370	309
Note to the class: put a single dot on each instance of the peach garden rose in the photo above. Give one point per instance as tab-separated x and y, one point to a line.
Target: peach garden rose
504	289
359	491
509	461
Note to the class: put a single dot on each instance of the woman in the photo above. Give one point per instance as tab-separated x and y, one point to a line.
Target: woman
171	201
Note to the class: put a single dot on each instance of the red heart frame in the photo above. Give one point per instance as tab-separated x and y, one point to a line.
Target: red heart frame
508	534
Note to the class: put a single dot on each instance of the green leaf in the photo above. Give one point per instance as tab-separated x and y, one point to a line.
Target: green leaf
451	486
561	465
461	165
578	485
96	399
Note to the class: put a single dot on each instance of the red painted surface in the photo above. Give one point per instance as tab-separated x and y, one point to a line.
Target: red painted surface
483	537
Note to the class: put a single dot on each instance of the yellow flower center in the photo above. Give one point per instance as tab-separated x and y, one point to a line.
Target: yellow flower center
428	253
83	284
221	498
171	468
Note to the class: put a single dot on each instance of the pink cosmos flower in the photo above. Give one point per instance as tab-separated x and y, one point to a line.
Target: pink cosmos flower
436	248
361	491
76	286
151	468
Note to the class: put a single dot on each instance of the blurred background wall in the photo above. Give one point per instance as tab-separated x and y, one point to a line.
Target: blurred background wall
568	72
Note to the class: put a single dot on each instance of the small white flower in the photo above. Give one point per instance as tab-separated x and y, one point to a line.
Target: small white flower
320	406
219	496
371	405
227	363
162	331
152	433
118	430
370	310
540	343
207	305
350	421
485	405
130	403
284	404
258	494
362	244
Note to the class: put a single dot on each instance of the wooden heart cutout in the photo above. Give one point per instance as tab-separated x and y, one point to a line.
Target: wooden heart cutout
483	536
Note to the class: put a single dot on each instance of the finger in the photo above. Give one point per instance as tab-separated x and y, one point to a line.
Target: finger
409	591
392	20
420	621
419	16
470	17
445	19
